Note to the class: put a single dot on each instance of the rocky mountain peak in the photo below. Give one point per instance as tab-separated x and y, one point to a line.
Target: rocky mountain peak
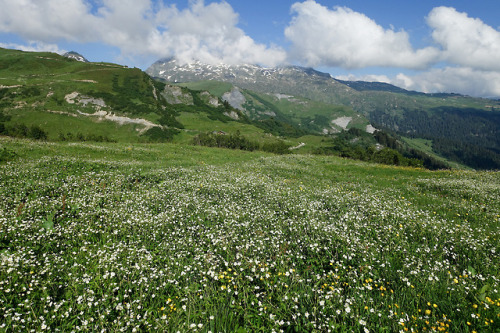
291	80
75	55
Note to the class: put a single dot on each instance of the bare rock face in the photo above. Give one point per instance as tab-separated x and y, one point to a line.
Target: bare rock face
75	55
209	99
235	98
175	95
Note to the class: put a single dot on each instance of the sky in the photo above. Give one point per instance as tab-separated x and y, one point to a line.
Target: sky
429	46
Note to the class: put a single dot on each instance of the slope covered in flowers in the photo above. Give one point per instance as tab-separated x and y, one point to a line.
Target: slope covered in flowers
169	238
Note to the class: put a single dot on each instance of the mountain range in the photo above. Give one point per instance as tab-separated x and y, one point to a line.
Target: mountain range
461	128
285	109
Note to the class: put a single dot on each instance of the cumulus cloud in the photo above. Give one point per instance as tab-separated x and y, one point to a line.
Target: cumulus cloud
341	37
464	40
140	27
462	80
209	33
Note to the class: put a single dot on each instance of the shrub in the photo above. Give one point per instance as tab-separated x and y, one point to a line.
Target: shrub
6	154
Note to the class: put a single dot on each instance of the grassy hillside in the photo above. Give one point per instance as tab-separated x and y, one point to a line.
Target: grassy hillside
164	237
69	100
308	115
62	96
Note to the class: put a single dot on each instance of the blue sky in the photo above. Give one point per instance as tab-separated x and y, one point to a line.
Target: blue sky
431	46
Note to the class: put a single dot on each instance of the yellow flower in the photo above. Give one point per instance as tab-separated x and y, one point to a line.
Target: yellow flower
428	312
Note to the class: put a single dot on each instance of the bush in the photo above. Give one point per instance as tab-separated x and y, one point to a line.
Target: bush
6	154
81	137
278	147
222	140
238	141
158	134
35	132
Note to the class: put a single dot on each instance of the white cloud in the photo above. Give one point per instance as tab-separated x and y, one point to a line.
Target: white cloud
209	33
462	80
33	47
366	78
468	49
344	38
140	27
47	20
465	41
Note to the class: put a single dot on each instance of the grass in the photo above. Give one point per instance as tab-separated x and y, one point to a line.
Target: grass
166	237
311	115
196	123
55	124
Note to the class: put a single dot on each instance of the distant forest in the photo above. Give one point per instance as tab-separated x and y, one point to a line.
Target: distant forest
465	135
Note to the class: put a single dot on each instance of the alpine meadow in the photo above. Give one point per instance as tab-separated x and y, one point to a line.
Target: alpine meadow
165	237
133	201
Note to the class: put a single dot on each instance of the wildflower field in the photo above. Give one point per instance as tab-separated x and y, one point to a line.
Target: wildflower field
113	237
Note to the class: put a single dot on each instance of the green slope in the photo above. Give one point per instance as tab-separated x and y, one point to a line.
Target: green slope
60	95
74	101
68	99
309	115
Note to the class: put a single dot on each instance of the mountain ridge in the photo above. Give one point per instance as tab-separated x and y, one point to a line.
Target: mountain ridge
462	128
